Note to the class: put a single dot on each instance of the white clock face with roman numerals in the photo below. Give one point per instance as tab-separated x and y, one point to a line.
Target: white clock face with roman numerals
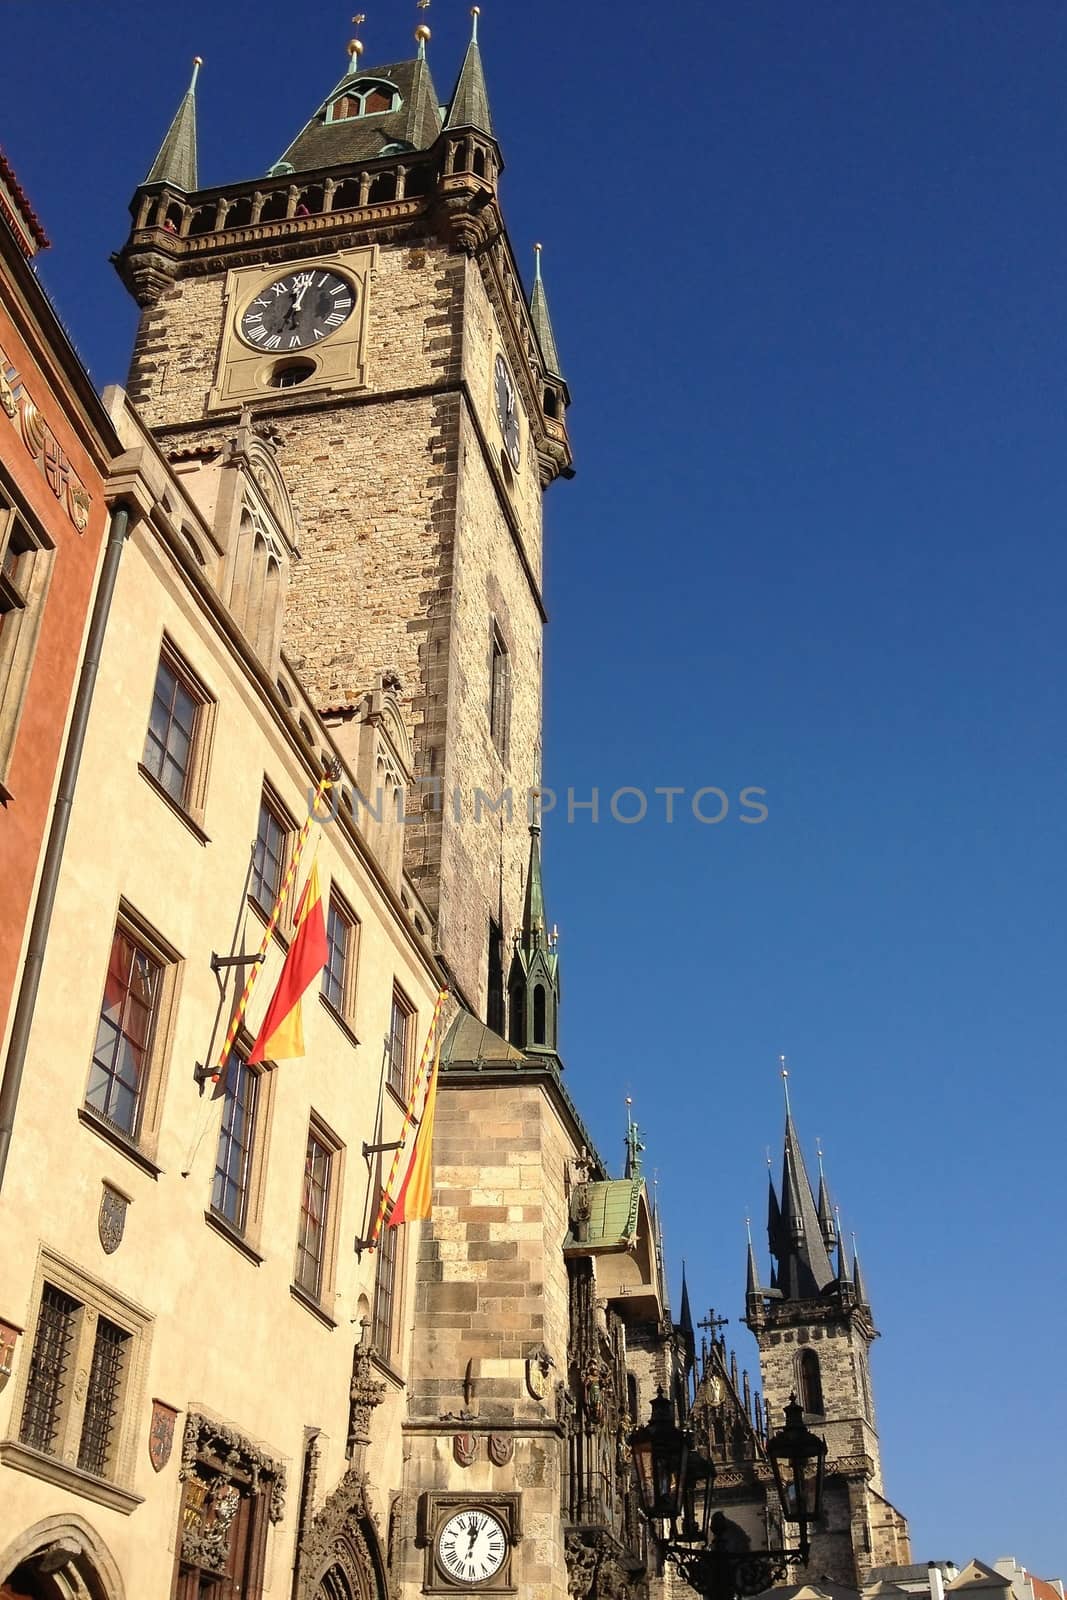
298	311
472	1546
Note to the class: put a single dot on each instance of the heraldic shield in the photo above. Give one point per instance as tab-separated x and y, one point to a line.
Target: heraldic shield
161	1434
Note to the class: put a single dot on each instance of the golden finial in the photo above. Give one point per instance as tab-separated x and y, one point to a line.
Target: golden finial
198	62
355	50
476	12
423	35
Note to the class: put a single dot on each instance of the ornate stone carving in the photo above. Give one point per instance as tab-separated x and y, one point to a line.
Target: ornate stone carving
538	1366
596	1572
465	1448
161	1434
501	1448
227	1454
342	1544
367	1393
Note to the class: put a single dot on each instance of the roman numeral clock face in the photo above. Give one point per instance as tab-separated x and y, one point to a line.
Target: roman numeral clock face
472	1546
299	311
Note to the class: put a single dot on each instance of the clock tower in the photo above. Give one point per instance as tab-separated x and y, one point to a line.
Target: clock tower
361	301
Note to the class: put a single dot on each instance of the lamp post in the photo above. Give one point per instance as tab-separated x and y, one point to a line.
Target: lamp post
675	1485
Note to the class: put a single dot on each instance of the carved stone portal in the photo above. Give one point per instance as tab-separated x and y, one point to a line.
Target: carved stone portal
340	1555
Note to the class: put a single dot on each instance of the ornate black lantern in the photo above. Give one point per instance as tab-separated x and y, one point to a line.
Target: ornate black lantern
798	1460
660	1450
697	1500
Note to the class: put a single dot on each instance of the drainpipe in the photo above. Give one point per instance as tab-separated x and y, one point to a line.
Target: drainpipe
57	837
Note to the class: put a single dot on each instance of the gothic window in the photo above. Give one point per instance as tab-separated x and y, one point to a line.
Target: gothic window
810	1382
271	853
175	742
517	1033
365	99
539	1034
499	693
401	1038
231	1492
494	1009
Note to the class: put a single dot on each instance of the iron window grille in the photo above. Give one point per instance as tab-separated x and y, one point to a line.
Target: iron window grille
102	1396
42	1409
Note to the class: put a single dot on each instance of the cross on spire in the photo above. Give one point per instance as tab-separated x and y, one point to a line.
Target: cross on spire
712	1323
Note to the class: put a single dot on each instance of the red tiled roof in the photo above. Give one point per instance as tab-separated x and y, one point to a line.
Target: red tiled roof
26	221
1043	1590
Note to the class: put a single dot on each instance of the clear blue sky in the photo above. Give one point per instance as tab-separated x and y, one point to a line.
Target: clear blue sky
807	268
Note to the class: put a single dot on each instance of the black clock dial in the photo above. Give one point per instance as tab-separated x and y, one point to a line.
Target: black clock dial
298	311
507	411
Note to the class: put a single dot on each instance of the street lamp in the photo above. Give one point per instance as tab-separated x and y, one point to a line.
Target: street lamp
675	1484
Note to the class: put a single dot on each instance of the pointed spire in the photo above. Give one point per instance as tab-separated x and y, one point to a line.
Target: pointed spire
533	911
685	1320
843	1277
857	1276
804	1269
634	1145
470	102
176	161
826	1213
752	1285
543	322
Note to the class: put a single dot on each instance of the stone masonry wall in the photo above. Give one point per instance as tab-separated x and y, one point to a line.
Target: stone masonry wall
491	1288
842	1353
407	557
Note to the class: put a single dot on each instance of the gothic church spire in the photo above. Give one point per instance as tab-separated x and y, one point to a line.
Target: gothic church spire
533	983
542	322
470	102
176	162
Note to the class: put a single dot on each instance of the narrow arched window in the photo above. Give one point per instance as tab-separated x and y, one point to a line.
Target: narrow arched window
539	1014
810	1383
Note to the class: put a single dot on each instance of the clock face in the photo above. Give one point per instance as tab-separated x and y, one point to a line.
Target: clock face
298	311
472	1546
507	411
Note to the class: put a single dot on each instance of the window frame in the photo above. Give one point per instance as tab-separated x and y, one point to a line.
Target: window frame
94	1302
321	1295
246	1234
193	801
271	802
400	1002
346	1010
18	640
499	691
144	1137
389	1255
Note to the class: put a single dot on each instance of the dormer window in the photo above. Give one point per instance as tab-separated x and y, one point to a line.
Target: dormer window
367	98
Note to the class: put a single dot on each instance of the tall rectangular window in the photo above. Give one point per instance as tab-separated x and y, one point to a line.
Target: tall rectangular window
314	1211
174	740
102	1396
401	1033
342	941
49	1363
271	854
25	565
237	1132
499	693
385	1291
124	1035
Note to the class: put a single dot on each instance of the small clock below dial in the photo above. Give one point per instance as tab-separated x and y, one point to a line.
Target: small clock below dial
298	311
472	1546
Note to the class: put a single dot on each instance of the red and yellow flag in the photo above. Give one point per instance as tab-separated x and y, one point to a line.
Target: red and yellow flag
414	1203
281	1038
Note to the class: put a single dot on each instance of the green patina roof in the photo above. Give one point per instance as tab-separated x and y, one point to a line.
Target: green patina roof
470	103
613	1210
176	161
471	1040
334	144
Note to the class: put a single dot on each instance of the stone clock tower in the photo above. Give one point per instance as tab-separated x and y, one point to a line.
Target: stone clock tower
362	302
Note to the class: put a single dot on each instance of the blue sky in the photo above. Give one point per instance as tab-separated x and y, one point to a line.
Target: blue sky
807	269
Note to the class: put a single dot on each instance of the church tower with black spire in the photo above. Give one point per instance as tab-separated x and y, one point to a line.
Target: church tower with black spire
814	1328
361	301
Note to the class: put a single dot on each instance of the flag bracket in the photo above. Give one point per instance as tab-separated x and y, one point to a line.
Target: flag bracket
202	1074
221	963
376	1149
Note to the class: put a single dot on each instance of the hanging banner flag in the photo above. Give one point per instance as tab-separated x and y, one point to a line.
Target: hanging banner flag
281	1038
414	1203
409	1118
326	782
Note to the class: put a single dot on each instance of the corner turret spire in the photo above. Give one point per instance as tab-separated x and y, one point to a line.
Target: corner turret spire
797	1242
857	1276
826	1212
542	322
176	162
533	983
470	102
